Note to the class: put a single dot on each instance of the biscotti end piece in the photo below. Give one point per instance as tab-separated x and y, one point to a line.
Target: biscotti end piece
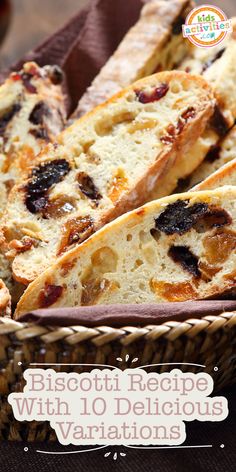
174	249
153	44
32	113
107	163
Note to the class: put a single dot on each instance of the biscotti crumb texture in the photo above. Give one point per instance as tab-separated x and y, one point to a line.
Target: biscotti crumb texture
174	249
105	164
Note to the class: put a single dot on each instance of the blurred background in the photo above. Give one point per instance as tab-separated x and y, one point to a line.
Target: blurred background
26	23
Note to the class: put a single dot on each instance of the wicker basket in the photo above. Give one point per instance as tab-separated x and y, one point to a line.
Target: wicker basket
209	341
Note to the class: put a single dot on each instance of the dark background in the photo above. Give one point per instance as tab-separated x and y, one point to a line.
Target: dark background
33	20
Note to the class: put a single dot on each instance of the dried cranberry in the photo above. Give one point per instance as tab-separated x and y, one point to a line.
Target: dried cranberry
178	217
43	178
219	122
183	256
153	96
39	111
213	154
214	59
189	113
26	79
49	295
40	133
167	139
88	187
7	117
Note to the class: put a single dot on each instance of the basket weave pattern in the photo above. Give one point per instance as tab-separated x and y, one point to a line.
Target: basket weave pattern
210	341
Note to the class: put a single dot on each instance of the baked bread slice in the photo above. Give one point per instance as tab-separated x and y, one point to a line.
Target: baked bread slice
153	44
219	155
105	164
178	248
226	175
32	113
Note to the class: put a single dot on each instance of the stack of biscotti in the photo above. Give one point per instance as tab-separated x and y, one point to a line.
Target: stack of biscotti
155	43
175	249
105	164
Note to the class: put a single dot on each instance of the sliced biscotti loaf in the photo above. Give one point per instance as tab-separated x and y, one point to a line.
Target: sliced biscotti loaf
105	164
154	43
177	248
32	113
219	155
226	175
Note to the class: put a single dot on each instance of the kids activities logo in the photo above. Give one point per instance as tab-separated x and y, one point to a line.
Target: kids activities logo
206	26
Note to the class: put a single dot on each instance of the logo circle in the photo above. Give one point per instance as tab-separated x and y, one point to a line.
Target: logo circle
207	26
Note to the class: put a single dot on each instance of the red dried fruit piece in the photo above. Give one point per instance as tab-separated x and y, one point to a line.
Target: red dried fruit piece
153	96
49	295
167	139
189	113
183	255
88	187
26	79
173	131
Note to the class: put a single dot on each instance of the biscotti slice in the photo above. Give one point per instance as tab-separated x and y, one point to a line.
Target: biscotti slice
226	175
177	248
153	44
32	113
219	155
105	164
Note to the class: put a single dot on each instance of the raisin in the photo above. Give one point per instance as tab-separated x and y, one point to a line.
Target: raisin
88	187
55	74
214	59
178	217
7	117
26	79
39	111
40	133
183	256
75	230
219	123
215	218
213	154
177	25
153	96
42	179
49	295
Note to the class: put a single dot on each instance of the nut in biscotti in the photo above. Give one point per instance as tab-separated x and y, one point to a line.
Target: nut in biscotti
105	164
178	248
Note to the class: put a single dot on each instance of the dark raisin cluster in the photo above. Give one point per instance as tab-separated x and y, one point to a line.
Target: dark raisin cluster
42	179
